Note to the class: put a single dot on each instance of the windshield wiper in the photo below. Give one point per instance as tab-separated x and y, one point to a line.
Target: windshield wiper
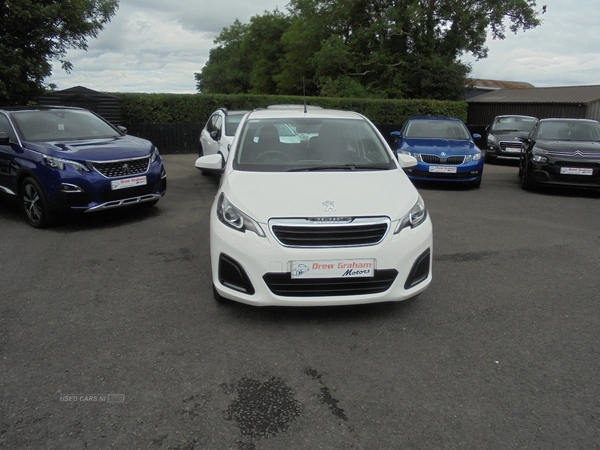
317	168
351	167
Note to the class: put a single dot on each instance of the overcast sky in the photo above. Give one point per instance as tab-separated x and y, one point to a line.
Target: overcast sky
158	45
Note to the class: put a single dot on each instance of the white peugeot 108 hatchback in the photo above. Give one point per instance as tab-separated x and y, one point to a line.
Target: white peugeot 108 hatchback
329	218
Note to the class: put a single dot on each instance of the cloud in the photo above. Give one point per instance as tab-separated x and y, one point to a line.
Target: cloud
158	46
560	52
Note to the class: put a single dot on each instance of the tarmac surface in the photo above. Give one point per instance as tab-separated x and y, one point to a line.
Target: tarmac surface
110	336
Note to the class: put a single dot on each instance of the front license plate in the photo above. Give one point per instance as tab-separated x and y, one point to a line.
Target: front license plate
576	171
338	268
442	169
127	182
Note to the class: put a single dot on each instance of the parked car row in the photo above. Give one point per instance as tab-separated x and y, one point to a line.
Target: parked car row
299	218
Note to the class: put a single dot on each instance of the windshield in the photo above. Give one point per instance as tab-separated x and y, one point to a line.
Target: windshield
436	129
232	121
569	131
61	125
514	124
284	144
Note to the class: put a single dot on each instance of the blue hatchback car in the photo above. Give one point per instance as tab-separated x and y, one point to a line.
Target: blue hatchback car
56	159
444	149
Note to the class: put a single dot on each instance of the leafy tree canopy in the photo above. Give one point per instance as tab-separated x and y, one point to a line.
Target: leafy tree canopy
34	32
361	48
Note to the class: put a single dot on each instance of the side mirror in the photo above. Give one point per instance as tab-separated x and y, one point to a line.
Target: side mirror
210	163
214	135
406	161
4	138
122	129
395	135
476	136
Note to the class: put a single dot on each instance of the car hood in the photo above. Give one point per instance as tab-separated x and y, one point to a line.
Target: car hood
509	135
567	146
307	194
120	147
436	146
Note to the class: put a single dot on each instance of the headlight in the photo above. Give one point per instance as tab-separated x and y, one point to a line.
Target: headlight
492	139
538	155
61	164
409	153
232	217
154	156
414	218
475	157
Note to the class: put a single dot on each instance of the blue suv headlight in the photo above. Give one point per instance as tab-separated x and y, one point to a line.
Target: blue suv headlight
61	164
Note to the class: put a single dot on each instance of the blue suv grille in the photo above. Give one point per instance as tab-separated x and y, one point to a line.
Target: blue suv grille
122	168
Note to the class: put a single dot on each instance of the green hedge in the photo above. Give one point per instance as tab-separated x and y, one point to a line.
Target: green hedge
193	108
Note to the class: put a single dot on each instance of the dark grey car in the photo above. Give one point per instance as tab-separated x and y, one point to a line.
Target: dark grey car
562	152
503	136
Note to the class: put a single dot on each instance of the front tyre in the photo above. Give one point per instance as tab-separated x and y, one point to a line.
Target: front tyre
219	298
475	184
34	204
526	183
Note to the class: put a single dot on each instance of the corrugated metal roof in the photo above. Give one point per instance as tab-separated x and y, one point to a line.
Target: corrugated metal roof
479	83
565	94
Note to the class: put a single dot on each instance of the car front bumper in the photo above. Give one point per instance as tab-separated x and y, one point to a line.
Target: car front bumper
257	271
91	191
504	149
576	173
467	172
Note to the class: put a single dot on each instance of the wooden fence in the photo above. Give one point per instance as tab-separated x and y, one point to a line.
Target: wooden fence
170	138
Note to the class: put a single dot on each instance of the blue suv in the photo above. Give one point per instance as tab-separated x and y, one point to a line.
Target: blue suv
444	150
57	159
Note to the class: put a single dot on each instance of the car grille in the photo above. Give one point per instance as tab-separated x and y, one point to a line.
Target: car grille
283	284
577	154
123	167
510	146
354	232
434	159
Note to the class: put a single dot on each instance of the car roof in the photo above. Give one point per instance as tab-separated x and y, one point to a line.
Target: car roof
453	119
294	113
515	115
39	108
566	119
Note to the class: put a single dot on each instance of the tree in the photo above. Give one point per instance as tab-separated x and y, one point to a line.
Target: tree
385	48
246	58
34	32
228	68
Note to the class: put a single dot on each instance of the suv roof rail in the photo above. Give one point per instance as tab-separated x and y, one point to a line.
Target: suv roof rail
293	106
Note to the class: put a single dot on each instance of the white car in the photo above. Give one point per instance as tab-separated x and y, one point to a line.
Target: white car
328	221
218	132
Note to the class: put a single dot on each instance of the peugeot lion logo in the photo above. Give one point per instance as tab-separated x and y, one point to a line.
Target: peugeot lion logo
125	168
329	205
